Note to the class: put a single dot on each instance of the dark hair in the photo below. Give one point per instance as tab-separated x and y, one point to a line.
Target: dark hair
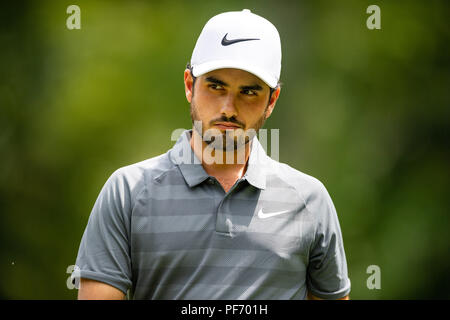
188	66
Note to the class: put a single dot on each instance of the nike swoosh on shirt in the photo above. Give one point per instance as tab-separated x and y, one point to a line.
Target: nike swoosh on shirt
263	215
227	42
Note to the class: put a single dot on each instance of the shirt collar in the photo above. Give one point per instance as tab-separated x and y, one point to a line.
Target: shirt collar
257	164
190	166
192	170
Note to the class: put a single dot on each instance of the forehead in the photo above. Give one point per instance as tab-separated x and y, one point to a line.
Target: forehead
235	77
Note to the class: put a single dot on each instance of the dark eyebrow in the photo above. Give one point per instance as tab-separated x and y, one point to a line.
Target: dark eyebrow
216	81
256	87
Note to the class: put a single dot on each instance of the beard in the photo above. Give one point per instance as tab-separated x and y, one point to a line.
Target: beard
230	140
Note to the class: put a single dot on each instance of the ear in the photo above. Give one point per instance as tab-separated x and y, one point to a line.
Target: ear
273	101
188	84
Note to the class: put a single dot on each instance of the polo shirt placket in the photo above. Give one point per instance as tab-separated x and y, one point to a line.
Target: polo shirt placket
194	175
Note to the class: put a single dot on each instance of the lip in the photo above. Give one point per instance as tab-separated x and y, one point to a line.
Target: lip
226	125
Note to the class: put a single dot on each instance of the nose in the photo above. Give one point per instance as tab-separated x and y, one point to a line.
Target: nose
228	107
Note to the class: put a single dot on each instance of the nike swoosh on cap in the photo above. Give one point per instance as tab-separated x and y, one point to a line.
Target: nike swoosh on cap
227	42
263	215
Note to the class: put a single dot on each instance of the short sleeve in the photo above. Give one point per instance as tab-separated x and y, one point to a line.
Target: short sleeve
104	253
327	276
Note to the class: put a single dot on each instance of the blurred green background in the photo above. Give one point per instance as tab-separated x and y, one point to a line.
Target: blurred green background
365	111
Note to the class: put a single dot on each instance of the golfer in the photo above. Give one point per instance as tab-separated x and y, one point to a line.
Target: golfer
215	217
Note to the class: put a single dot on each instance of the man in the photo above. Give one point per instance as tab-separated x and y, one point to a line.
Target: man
215	217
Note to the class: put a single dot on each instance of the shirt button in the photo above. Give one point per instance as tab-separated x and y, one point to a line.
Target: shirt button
210	181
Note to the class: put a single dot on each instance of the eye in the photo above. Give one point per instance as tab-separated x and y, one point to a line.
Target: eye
215	86
249	92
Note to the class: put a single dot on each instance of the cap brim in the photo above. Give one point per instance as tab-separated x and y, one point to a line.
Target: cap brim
198	70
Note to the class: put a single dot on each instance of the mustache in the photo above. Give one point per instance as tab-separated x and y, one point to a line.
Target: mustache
226	119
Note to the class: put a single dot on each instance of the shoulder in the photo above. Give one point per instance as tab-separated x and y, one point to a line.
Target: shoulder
310	189
302	182
133	178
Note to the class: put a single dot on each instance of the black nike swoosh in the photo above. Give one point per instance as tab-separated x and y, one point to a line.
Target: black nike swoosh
226	42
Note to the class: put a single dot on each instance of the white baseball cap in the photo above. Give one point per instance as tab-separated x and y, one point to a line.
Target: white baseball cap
240	40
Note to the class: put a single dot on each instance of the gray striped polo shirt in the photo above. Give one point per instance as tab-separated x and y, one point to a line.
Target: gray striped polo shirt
164	229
